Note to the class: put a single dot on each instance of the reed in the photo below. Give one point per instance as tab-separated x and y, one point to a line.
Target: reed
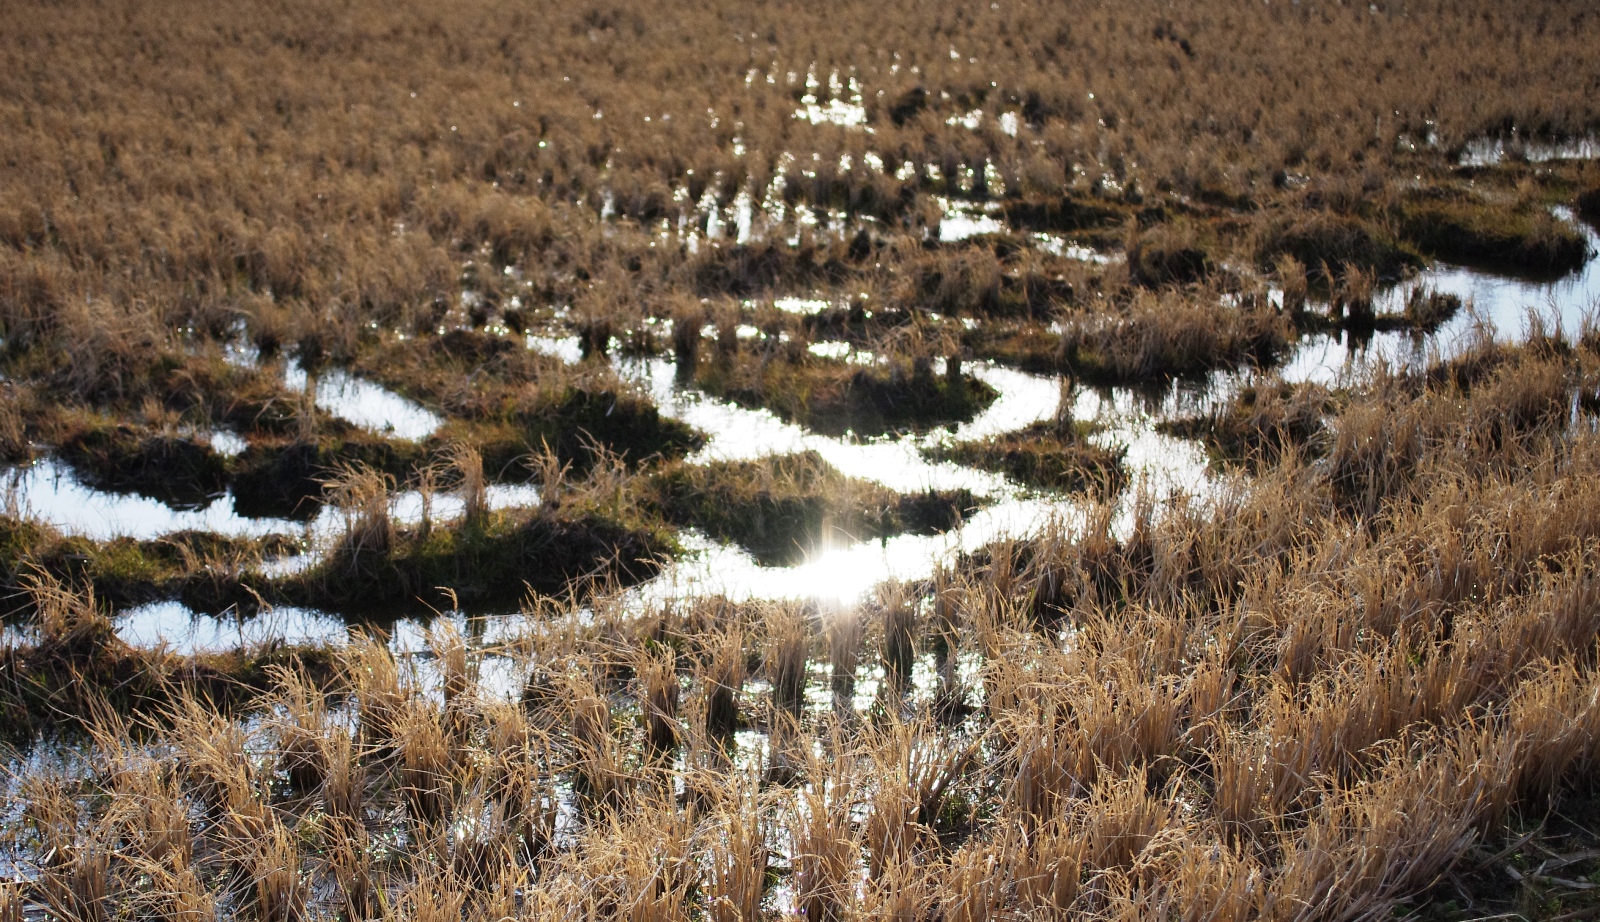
723	674
739	855
363	497
844	631
658	697
788	649
897	649
467	465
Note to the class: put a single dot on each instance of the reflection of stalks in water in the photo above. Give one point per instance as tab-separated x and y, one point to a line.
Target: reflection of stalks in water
601	777
344	787
726	317
688	319
426	762
786	659
946	632
305	411
458	671
1292	276
427	483
11	901
376	682
1355	289
302	730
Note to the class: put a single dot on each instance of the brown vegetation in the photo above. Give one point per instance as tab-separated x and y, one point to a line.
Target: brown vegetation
1358	667
1322	691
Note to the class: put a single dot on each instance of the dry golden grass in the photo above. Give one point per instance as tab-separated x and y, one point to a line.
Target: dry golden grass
1311	698
1316	695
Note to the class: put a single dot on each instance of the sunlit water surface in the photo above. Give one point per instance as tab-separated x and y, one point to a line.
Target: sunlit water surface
832	574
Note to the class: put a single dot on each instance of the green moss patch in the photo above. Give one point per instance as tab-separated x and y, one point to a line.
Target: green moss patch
836	397
1522	239
780	507
502	557
1048	454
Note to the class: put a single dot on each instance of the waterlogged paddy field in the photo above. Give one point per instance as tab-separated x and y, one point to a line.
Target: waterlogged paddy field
1048	463
840	569
858	592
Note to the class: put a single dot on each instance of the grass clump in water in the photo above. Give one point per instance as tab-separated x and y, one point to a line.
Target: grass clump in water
73	668
182	472
580	531
207	571
1326	244
1521	238
1587	205
512	401
282	478
782	507
895	391
1156	336
1053	454
1262	422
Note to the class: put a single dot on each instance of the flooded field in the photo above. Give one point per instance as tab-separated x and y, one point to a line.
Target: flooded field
1125	419
728	462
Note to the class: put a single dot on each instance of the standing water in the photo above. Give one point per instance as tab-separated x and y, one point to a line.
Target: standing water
848	571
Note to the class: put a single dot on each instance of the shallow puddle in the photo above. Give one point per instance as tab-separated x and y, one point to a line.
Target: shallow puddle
173	625
1491	151
184	631
842	573
845	573
1491	303
966	219
49	492
365	404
